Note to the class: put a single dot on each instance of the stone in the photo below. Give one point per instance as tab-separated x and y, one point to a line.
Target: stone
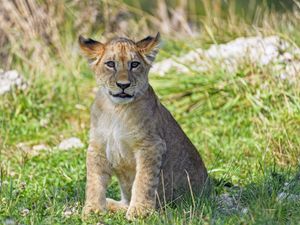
70	143
282	57
288	197
40	147
11	79
24	212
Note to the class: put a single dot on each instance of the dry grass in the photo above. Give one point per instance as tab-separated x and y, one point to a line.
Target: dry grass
42	34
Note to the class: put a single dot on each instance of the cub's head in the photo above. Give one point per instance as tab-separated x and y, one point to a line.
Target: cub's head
121	65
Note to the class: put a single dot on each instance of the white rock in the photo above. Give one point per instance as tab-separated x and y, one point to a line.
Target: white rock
32	150
10	79
68	212
70	143
259	51
9	222
44	122
245	210
12	75
24	212
40	147
283	76
287	196
23	146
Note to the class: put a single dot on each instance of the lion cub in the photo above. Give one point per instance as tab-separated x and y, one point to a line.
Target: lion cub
133	136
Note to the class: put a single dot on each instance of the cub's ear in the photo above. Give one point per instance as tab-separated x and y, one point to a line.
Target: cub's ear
149	47
90	48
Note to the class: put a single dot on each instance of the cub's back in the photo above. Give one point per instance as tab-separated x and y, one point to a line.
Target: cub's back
182	165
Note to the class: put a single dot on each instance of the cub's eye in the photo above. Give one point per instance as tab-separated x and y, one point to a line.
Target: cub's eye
134	64
110	64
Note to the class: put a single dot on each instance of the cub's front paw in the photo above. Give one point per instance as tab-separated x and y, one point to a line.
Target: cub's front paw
136	211
90	208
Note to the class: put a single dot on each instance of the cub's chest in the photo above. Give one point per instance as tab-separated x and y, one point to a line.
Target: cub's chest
118	139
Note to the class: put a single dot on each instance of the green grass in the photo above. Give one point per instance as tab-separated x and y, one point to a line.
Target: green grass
245	125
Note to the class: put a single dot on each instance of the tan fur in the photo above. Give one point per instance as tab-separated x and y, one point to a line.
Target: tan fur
136	138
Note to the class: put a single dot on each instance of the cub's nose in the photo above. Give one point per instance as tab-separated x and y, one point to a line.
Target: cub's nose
123	86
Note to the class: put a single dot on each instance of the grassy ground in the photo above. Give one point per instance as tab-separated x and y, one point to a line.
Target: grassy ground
245	125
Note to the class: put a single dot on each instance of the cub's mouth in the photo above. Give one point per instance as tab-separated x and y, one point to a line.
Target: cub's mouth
121	95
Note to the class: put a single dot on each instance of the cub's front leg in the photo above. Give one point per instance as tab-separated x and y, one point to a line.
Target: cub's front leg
148	165
98	177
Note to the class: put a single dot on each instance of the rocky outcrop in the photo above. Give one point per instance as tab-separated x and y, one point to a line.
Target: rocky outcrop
282	56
